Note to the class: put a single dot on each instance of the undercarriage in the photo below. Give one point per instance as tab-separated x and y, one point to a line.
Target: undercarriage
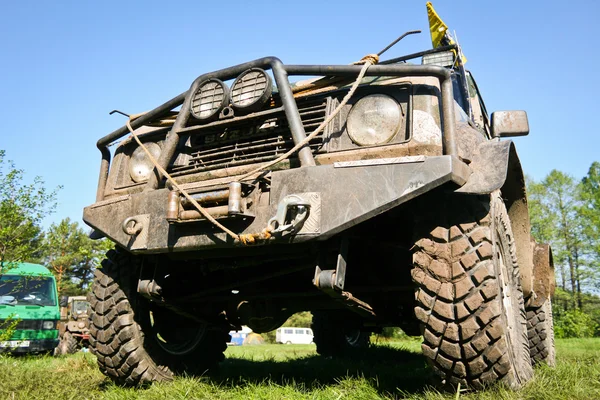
359	270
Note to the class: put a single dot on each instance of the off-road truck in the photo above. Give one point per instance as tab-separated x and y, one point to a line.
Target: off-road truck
74	325
406	210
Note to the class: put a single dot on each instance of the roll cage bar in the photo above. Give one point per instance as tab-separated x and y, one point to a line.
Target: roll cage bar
281	72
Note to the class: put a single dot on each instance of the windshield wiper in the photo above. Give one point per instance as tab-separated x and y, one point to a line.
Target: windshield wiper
38	303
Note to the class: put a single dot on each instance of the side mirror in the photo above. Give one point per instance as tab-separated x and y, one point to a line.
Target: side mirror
63	301
509	124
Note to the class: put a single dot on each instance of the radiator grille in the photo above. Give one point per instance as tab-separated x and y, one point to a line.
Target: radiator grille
23	324
248	142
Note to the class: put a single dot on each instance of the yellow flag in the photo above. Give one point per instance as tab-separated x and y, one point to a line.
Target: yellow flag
437	27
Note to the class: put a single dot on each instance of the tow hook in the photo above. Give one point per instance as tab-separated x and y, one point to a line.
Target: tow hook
292	211
131	226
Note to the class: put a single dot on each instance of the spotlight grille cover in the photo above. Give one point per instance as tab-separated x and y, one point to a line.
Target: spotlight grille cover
209	99
251	89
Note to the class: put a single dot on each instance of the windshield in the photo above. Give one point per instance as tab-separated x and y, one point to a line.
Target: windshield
80	307
27	290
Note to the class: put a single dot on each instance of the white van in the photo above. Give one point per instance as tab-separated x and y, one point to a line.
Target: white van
289	335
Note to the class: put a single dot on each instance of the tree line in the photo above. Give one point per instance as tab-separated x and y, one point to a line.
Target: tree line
565	212
65	247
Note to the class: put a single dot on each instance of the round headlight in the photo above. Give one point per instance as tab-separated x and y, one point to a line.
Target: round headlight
140	166
251	90
209	99
48	325
374	119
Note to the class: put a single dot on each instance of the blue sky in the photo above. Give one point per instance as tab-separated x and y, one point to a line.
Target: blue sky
66	64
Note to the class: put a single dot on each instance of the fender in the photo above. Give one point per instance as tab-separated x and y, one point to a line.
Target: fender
495	166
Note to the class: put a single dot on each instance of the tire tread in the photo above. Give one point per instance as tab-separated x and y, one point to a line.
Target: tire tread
457	288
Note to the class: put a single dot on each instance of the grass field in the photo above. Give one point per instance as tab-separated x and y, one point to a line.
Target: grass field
396	370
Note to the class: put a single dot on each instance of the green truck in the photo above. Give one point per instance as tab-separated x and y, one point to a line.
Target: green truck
29	310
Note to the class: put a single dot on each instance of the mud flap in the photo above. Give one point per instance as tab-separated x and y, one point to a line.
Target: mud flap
544	281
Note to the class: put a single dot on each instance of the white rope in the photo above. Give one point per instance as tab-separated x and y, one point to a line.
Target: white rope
367	61
204	213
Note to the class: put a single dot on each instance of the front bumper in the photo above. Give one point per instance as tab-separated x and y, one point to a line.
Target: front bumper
341	195
24	346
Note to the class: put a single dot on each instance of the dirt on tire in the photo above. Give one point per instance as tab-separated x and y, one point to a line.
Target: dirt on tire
469	297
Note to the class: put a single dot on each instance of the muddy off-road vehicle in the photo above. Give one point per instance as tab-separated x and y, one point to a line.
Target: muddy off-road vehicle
406	210
74	325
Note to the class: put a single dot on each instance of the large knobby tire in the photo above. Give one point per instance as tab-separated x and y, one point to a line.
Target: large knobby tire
540	331
469	296
336	335
137	344
67	345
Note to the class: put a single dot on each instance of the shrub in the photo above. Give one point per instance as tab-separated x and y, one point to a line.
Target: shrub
8	327
574	324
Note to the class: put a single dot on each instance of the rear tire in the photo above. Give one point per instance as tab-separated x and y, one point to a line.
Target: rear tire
469	296
336	335
136	344
540	331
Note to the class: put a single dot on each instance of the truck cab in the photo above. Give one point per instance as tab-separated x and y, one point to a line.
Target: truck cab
29	310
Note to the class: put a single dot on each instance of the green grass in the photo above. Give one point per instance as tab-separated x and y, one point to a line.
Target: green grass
396	370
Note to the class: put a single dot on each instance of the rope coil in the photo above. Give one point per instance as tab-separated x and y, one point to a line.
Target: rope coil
371	58
251	238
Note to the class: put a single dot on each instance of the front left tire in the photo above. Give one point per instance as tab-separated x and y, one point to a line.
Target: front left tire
136	343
